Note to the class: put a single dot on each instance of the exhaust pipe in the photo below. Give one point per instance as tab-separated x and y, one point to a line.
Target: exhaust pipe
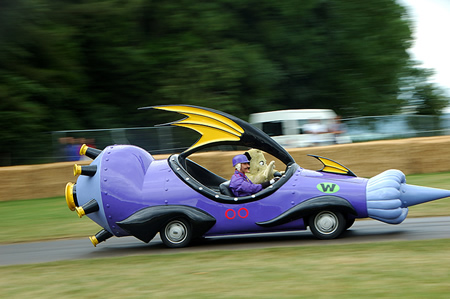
88	170
101	236
87	208
89	151
71	196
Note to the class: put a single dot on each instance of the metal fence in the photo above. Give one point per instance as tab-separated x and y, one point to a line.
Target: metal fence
157	140
165	140
396	127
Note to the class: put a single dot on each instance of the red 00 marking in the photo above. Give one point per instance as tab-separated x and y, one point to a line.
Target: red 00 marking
245	210
230	217
231	214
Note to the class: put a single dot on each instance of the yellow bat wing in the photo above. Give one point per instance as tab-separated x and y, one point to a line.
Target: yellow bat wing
212	126
333	166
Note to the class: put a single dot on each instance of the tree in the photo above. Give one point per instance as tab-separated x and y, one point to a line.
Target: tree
78	64
419	94
429	99
345	55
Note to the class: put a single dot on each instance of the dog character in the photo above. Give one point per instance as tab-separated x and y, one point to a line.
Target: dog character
260	171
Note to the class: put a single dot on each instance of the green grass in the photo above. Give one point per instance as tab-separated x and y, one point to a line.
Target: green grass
45	219
418	269
437	180
42	219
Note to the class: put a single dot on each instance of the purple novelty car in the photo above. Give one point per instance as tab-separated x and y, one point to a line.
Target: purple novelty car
127	192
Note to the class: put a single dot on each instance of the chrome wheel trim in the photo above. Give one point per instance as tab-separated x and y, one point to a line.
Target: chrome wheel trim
326	222
176	231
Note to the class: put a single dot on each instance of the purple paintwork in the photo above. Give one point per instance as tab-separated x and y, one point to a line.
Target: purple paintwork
130	180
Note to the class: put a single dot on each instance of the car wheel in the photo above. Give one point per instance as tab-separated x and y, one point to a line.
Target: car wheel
176	233
327	225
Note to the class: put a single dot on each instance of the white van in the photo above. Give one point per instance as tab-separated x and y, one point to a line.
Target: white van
290	127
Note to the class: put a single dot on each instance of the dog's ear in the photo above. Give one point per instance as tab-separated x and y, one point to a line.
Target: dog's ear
248	156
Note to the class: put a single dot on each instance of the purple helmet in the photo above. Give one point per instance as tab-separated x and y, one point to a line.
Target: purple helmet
240	159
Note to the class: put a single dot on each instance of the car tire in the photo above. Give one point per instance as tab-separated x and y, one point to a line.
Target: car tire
327	225
176	233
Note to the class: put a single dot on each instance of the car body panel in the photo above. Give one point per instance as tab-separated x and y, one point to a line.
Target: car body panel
127	192
131	180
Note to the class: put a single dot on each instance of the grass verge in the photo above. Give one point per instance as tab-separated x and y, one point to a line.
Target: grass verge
415	269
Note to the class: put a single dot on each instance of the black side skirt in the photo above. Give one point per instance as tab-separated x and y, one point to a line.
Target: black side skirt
146	223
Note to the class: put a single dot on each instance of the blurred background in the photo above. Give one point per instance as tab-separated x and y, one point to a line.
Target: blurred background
75	71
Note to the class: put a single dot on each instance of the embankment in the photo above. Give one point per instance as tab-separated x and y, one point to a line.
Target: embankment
412	156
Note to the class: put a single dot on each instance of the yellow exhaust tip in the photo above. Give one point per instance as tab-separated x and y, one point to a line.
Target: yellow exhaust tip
69	196
76	169
83	149
80	211
101	236
94	241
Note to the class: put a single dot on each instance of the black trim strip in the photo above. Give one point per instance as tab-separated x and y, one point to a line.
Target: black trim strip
309	207
188	179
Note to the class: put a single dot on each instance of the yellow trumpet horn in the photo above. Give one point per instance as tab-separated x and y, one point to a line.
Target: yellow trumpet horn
71	196
101	236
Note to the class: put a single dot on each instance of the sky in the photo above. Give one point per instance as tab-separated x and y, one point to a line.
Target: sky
431	21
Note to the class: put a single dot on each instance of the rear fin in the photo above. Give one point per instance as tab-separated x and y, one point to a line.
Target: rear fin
333	166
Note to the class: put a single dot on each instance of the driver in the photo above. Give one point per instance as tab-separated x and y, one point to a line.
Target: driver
240	184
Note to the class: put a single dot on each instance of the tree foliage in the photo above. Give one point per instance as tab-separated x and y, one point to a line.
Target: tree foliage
78	64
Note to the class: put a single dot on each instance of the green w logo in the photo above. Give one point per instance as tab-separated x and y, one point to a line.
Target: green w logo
328	187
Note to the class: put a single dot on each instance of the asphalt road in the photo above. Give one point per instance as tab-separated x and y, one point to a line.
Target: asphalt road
361	232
